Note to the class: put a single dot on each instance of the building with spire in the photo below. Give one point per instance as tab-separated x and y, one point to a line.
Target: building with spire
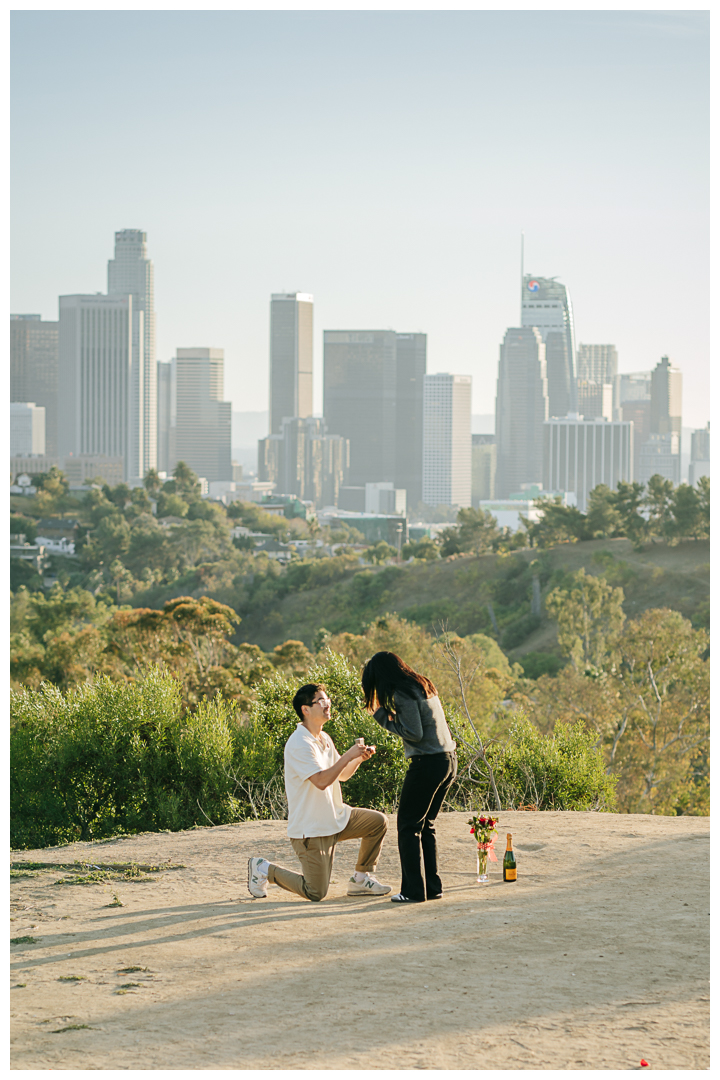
546	305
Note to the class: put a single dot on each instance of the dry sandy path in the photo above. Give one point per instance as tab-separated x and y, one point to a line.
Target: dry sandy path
597	956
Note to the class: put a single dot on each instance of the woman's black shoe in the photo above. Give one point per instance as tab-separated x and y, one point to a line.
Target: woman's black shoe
400	899
435	896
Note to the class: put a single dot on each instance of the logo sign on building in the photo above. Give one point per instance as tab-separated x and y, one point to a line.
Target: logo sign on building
533	285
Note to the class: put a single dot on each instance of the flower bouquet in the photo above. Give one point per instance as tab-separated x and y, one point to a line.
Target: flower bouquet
482	828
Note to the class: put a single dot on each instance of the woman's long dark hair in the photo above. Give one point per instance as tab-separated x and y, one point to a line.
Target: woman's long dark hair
385	673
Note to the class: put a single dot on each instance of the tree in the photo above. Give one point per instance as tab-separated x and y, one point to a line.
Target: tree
603	516
703	486
424	548
189	636
687	516
658	502
478	529
186	482
589	616
559	524
628	501
171	505
120	495
380	552
649	709
24	525
152	483
664	674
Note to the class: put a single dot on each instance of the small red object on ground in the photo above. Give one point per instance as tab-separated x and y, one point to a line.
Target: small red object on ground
643	1062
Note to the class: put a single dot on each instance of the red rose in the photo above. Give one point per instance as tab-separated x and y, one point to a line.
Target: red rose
643	1062
472	830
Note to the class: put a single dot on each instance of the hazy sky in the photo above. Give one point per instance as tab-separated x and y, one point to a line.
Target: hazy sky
385	162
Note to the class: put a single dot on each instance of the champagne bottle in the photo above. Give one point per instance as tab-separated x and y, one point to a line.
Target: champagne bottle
509	864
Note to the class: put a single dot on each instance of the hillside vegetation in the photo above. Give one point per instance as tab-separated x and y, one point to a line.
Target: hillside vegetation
456	592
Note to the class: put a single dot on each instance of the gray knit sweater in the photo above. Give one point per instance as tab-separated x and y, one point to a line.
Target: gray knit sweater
420	722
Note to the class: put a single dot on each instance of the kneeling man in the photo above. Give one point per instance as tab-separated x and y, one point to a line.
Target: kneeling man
317	817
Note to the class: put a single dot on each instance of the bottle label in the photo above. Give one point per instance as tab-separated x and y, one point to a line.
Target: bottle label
511	875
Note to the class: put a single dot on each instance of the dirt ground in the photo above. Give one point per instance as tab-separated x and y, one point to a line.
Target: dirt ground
596	958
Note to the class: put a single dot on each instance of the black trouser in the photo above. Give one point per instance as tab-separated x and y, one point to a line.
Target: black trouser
427	781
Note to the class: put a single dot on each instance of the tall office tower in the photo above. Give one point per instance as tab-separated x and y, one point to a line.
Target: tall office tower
131	273
34	368
597	363
546	305
595	399
27	428
447	440
634	386
521	409
291	357
98	410
580	454
666	398
484	467
166	416
202	419
373	392
660	455
632	402
304	460
699	455
411	360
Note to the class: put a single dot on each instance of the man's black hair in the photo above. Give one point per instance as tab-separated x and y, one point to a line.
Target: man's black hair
305	695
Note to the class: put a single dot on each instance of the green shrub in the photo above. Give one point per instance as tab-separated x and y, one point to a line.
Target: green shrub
517	631
535	664
561	771
110	757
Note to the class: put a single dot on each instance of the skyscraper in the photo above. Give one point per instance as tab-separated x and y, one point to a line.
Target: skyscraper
202	432
521	409
411	353
304	460
699	454
665	420
27	428
98	410
632	402
594	399
131	273
166	416
373	396
546	305
447	440
484	467
665	398
579	454
597	363
291	357
34	369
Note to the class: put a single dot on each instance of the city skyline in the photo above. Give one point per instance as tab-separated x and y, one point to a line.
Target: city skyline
429	241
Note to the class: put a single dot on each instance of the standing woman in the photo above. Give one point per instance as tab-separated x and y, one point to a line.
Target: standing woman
407	703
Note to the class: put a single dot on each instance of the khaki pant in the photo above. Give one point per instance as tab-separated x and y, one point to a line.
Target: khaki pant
316	855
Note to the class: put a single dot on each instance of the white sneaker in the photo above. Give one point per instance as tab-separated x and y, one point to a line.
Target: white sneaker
257	881
369	887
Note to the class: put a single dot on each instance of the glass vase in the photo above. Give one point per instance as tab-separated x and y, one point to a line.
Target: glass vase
482	875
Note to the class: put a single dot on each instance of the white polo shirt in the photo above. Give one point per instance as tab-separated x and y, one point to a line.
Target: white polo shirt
312	812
